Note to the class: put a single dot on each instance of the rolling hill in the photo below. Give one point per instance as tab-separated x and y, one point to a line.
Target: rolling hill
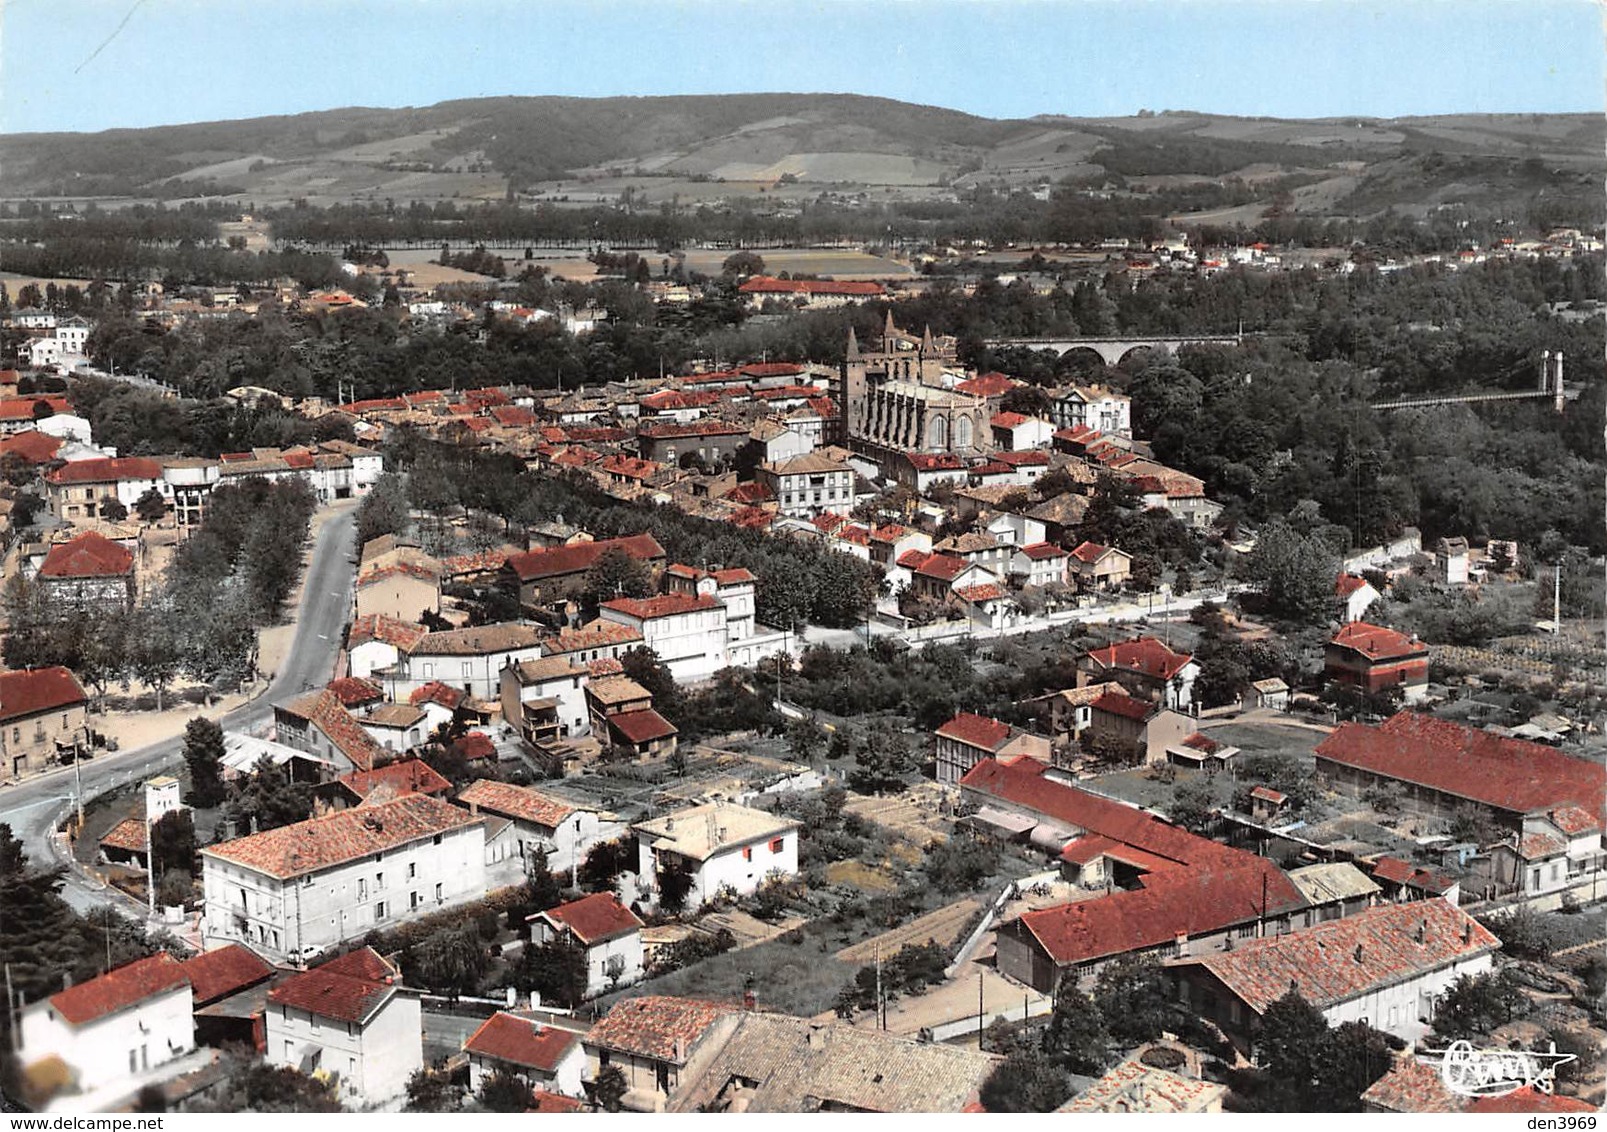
798	143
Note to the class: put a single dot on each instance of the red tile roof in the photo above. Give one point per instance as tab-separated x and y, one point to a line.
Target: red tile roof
1144	655
1342	960
986	591
1043	551
752	492
1348	584
594	919
343	989
32	446
1396	871
345	835
594	635
218	974
1378	643
120	988
352	691
766	285
413	776
89	555
1009	420
543	1101
675	431
521	802
642	726
988	385
976	731
107	469
377	627
577	558
1028	458
436	692
1530	1099
1574	821
475	745
1168	903
1412	1086
663	605
1465	762
1128	707
22	408
656	1027
520	1041
912	559
128	835
36	690
324	711
935	462
772	369
943	567
1268	794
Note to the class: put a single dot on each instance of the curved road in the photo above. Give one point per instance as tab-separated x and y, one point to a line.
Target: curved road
34	806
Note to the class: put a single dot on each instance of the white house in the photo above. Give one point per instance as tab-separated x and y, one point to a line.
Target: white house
542	1056
111	1030
689	632
809	484
1388	965
471	659
376	643
352	1019
1354	594
1015	432
1555	850
296	891
1041	564
609	932
721	846
567	832
546	698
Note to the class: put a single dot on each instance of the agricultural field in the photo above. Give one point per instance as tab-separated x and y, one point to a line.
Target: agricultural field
837	263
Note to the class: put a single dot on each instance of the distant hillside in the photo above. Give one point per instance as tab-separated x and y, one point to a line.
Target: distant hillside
477	149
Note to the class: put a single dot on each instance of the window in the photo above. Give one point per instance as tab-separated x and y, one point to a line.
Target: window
306	881
379	910
776	844
379	882
437	894
412	870
436	840
362	889
412	900
747	852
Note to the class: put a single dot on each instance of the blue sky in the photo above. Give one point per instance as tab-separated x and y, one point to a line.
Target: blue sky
98	64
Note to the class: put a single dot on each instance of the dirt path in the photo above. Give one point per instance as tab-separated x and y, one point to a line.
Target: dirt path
944	925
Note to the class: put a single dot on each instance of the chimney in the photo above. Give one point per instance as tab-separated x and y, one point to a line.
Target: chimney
1358	953
750	1002
1422	931
669	825
680	1051
474	809
1182	944
1467	932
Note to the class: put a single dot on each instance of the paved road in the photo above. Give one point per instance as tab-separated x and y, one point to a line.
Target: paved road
35	806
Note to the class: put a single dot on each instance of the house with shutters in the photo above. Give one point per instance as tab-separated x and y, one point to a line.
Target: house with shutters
1372	658
1386	967
352	1020
79	491
470	659
111	1031
608	932
554	574
375	643
1147	668
1132	728
719	846
967	739
1555	850
89	572
657	1042
1095	567
42	712
545	699
299	890
535	821
318	725
544	1057
1039	564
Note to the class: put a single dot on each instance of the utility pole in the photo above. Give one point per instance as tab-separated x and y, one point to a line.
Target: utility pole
11	1012
881	1003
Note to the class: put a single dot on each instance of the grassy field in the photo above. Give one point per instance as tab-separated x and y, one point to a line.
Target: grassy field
835	262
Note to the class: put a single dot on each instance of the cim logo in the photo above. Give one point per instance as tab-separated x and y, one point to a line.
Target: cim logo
1495	1072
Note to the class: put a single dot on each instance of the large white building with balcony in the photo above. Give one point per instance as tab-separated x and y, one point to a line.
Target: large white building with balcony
293	892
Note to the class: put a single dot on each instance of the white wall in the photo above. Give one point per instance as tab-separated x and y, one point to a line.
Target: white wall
374	1061
282	919
1396	1009
730	867
481	675
115	1049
